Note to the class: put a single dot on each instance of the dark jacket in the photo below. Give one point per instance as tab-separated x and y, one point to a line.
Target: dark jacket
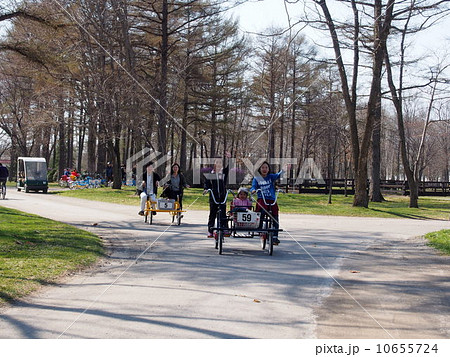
156	177
217	183
4	173
170	193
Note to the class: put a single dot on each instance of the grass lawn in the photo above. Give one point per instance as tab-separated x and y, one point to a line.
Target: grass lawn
440	240
36	251
393	207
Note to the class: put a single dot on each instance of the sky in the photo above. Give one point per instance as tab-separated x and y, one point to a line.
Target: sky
257	15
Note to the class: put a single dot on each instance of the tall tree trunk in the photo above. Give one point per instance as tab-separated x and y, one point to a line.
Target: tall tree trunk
183	148
81	137
114	149
162	130
376	195
397	100
62	161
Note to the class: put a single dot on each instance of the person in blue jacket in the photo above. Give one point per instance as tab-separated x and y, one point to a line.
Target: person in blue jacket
265	181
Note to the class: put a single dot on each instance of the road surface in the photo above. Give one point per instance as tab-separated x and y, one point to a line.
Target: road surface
331	277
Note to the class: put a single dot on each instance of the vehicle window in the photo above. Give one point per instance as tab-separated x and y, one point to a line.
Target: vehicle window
36	170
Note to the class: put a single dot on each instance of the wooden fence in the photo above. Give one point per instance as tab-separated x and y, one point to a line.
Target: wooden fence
342	186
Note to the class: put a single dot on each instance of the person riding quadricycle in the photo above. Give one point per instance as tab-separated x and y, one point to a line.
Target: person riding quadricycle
150	205
174	189
264	185
215	183
244	222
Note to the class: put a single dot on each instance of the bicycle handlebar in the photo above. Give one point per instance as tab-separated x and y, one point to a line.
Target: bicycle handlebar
264	198
214	197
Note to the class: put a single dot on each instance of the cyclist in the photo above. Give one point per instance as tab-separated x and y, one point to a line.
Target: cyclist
265	181
149	186
175	187
4	173
216	181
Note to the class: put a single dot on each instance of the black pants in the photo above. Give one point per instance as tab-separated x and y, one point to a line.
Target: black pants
213	209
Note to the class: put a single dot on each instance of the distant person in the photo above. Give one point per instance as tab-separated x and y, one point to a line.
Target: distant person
4	174
124	174
109	172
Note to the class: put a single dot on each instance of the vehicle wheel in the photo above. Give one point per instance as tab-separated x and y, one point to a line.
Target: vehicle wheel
27	190
150	214
263	240
220	242
45	190
270	243
145	216
179	218
173	218
263	235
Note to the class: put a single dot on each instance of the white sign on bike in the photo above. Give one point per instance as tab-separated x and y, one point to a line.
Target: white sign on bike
167	205
247	219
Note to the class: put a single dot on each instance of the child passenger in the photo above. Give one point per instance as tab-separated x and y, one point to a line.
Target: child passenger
241	201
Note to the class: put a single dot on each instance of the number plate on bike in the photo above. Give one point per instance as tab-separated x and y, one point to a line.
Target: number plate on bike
166	205
247	219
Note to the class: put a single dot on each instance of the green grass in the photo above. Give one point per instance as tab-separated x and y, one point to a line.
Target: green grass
440	240
393	207
35	251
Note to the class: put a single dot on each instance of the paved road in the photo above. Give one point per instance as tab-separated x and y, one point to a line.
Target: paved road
164	281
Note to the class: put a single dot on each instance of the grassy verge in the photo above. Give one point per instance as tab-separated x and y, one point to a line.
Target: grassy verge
35	251
393	207
440	240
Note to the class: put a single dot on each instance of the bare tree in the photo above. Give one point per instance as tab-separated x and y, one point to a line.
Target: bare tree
406	17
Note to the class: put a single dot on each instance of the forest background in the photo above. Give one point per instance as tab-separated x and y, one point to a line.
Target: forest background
86	82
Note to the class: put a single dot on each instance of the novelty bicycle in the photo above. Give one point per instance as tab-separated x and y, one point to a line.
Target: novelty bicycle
170	206
244	223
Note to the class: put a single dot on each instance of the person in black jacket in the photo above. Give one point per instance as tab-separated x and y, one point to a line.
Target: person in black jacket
4	173
149	186
216	181
175	186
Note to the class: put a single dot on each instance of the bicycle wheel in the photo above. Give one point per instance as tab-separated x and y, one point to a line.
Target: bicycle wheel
217	233
263	236
263	239
179	216
220	241
270	243
269	236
